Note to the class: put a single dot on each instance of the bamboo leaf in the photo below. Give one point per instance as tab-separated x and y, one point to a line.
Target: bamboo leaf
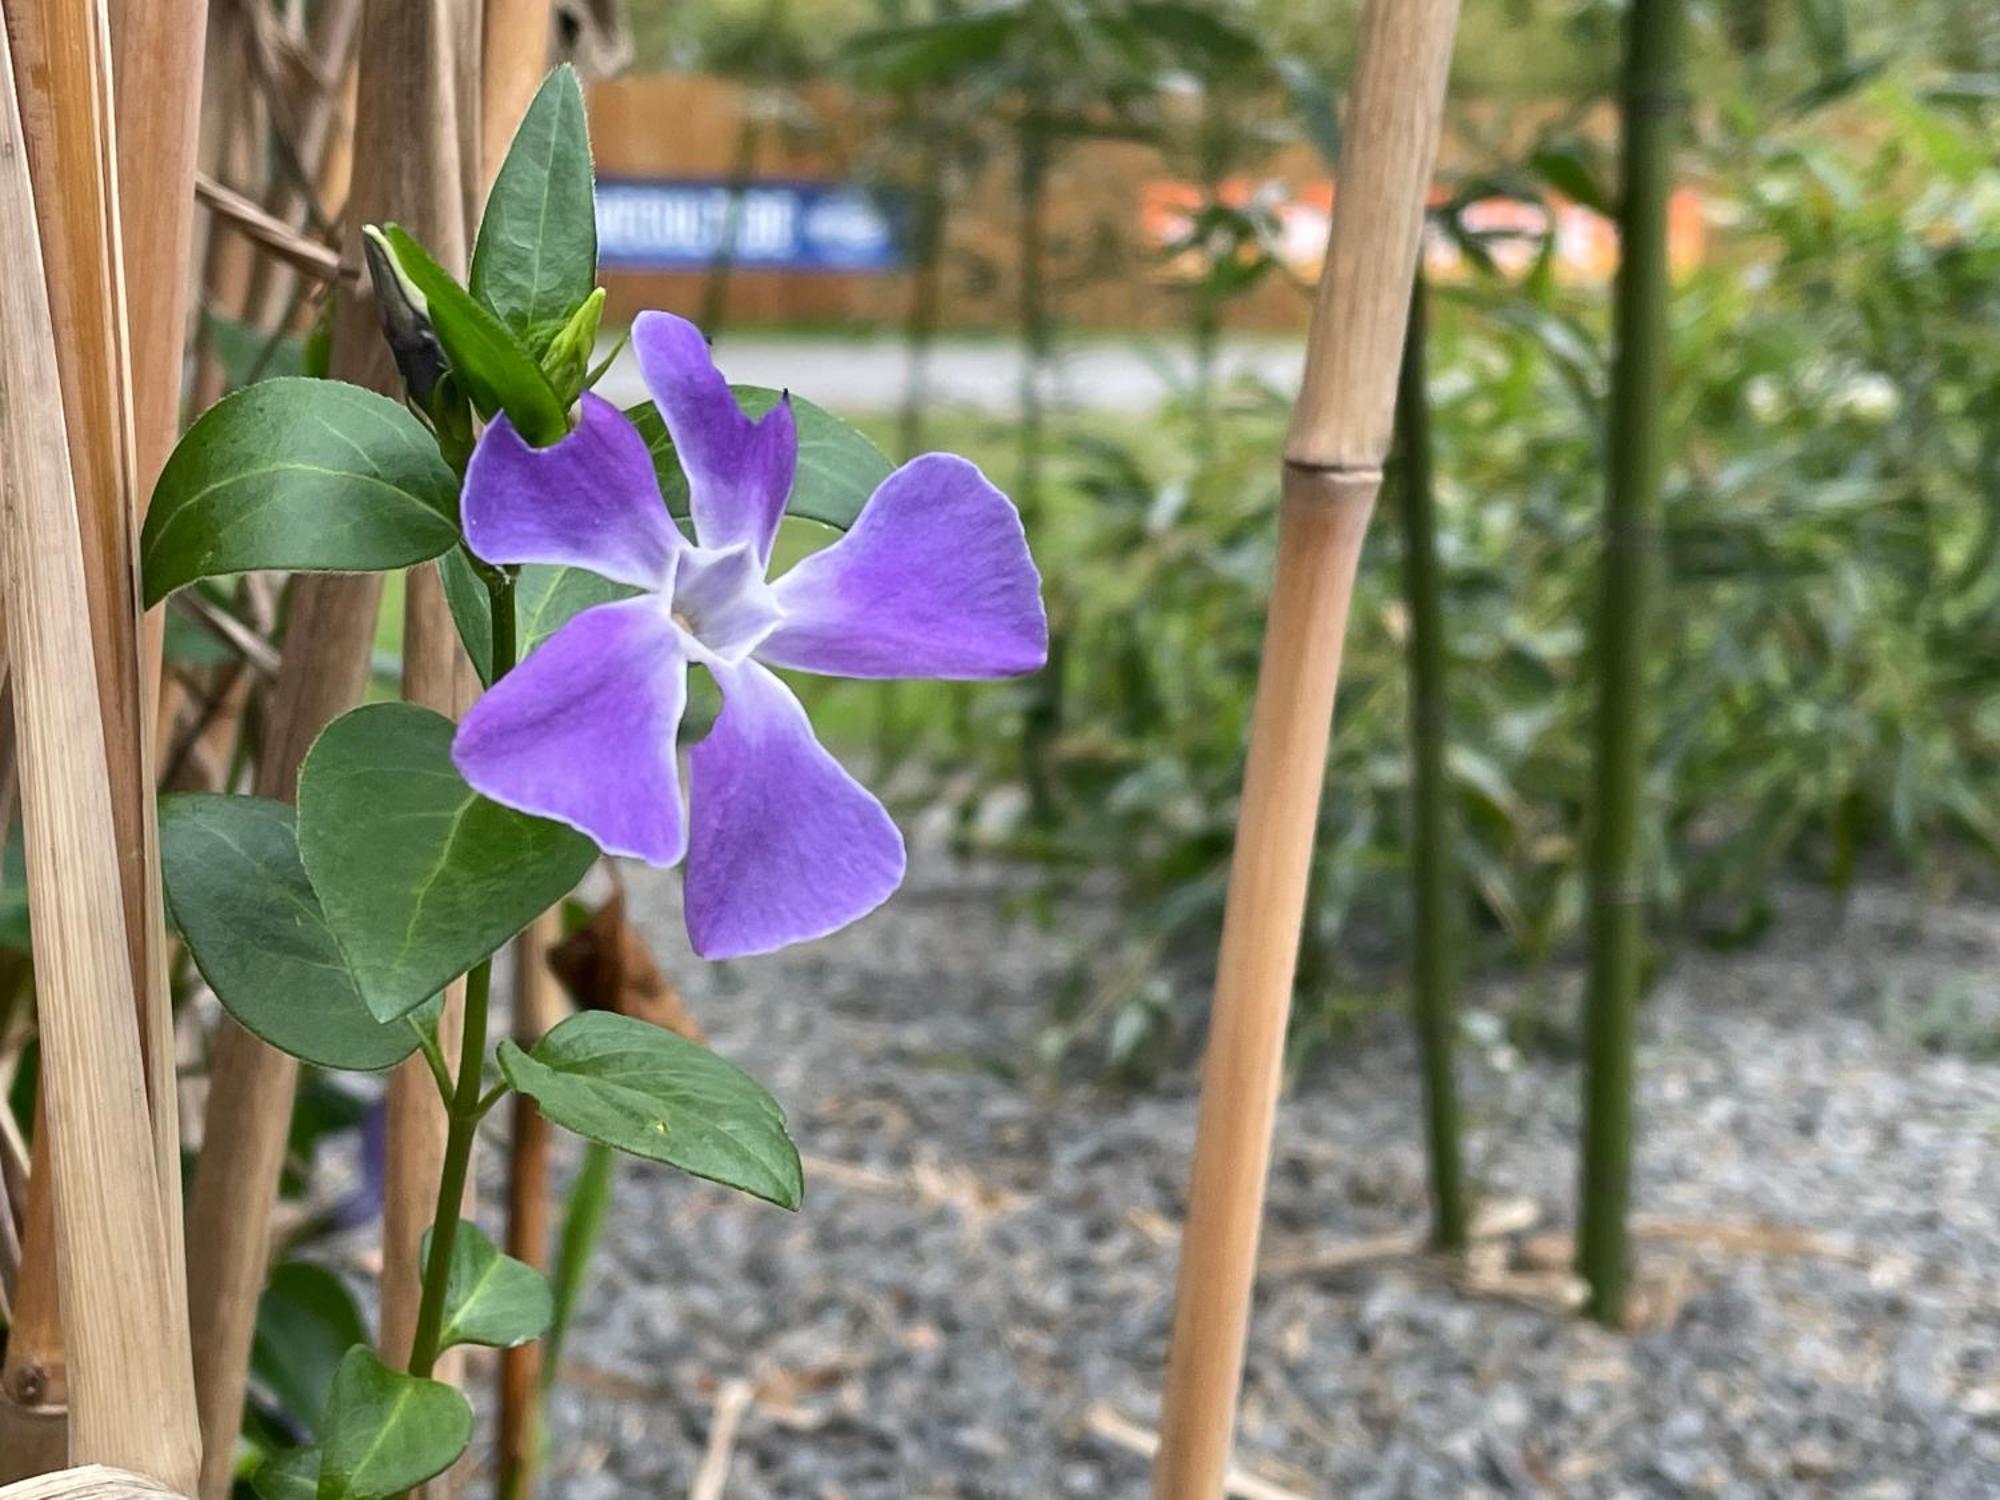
418	875
299	474
653	1094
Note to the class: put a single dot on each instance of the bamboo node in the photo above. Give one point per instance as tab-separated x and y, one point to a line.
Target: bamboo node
1331	482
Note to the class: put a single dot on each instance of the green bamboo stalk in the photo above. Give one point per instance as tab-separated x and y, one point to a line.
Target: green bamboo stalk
1651	107
1432	999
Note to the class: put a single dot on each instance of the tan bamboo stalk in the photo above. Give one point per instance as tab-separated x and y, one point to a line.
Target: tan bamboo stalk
130	1401
335	26
538	1005
157	56
34	1381
428	36
251	1086
62	58
1339	438
328	642
514	57
237	148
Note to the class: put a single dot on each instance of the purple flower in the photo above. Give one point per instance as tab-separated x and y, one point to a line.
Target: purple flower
782	845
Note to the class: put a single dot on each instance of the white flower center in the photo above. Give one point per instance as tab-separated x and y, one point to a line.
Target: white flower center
721	603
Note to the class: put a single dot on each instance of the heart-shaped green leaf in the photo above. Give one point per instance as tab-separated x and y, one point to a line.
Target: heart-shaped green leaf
418	875
240	897
497	372
386	1431
304	475
839	468
307	1320
490	1298
648	1092
288	1476
546	597
535	261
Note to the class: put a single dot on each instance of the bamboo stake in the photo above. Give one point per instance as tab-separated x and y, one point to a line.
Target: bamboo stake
514	57
325	672
428	36
1652	108
238	155
128	1346
1430	823
1340	433
62	64
34	1380
157	56
537	1006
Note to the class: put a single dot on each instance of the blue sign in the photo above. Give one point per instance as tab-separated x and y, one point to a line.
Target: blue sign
778	226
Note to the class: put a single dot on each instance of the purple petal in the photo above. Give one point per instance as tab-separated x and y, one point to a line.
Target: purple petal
583	731
786	846
934	580
739	471
591	500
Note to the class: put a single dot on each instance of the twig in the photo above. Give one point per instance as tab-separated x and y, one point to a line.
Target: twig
731	1402
260	655
309	257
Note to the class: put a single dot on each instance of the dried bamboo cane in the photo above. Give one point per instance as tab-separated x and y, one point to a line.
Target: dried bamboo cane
127	1343
34	1380
427	35
235	156
62	62
538	1005
1339	438
515	56
325	671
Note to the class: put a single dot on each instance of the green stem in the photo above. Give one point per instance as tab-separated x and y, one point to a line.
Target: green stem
467	1103
1430	833
1651	108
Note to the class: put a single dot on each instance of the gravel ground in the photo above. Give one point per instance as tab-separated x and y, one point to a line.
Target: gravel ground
980	1282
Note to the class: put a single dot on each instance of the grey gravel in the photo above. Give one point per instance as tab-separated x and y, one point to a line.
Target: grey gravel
986	1262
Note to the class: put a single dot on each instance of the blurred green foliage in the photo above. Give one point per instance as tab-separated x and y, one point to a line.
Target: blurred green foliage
1826	674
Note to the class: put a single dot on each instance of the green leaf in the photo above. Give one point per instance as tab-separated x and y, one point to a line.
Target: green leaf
249	354
536	258
419	876
546	597
306	1321
490	1298
489	361
1570	171
288	1476
839	468
650	1093
583	1222
385	1431
303	475
240	897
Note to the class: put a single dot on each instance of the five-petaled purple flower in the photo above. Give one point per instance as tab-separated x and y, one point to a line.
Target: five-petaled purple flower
782	845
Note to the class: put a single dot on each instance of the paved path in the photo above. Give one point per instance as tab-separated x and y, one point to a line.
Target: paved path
870	374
